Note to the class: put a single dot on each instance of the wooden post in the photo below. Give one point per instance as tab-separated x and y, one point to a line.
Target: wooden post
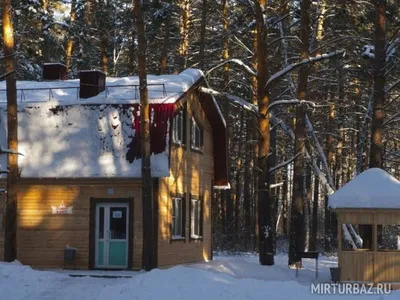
10	241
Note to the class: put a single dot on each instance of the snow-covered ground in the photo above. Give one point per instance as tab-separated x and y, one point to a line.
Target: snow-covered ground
226	277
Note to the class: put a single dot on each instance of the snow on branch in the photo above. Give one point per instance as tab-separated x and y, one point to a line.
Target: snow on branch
235	61
241	102
391	49
292	101
322	177
293	66
283	164
5	150
311	133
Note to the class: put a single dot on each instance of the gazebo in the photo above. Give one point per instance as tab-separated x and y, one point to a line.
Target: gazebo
368	211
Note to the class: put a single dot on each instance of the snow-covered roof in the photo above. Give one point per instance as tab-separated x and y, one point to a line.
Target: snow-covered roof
373	188
69	137
162	89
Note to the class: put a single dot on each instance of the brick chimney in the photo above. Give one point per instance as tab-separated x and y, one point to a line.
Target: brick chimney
92	83
54	71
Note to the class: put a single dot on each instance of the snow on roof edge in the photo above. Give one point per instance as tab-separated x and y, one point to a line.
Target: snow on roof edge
215	103
175	86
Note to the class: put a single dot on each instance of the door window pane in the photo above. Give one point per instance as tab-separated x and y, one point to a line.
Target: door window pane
101	223
118	220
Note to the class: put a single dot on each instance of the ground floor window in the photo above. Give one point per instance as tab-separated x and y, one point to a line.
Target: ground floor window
177	218
196	222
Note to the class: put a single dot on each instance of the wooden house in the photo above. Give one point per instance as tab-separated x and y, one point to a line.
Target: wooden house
368	211
80	176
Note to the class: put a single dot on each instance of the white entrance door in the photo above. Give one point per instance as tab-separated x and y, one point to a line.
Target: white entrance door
112	231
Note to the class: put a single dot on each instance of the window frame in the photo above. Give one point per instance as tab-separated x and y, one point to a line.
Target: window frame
195	127
193	219
349	249
175	236
179	117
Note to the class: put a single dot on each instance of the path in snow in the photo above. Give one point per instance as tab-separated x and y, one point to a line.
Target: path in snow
82	288
247	266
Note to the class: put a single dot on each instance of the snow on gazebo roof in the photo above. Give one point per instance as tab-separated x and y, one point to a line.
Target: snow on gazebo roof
373	188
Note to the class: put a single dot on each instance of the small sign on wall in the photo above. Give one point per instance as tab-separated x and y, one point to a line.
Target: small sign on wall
117	214
61	209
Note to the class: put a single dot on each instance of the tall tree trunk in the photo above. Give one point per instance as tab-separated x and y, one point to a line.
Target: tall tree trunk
314	226
238	181
297	234
149	257
330	157
70	42
184	23
225	36
104	54
285	205
247	193
10	241
45	31
378	114
377	131
265	227
132	55
164	50
254	100
204	14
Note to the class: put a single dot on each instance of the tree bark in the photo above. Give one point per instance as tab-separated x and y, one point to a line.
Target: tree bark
104	54
70	42
247	193
10	230
285	212
377	131
297	232
238	192
265	227
314	226
149	255
204	14
184	23
45	32
164	50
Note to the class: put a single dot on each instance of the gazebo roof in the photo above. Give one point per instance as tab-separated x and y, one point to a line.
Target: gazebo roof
373	188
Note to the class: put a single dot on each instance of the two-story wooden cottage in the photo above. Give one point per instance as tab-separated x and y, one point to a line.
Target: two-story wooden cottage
80	174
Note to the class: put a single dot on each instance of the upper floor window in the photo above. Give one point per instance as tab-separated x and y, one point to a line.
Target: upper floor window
197	135
178	133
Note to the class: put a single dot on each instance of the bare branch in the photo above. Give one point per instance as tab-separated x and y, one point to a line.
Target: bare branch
283	164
